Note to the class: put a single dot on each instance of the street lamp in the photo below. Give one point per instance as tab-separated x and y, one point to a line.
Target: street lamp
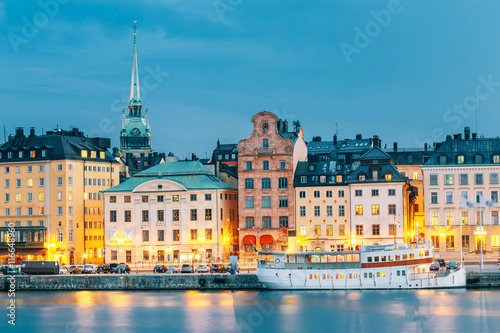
480	231
395	231
201	239
84	258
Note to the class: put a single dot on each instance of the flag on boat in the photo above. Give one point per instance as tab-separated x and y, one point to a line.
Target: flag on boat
466	203
486	203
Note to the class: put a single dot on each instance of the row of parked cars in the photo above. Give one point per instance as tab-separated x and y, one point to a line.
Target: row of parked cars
436	265
187	268
98	269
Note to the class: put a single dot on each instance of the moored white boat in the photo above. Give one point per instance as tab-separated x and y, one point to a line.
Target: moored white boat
401	266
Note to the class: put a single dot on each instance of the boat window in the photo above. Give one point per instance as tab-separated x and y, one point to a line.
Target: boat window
310	276
405	256
369	259
421	253
341	276
323	277
412	255
355	275
378	274
315	276
350	275
426	252
370	275
391	258
383	274
366	275
398	273
336	276
376	259
384	258
398	257
403	273
329	276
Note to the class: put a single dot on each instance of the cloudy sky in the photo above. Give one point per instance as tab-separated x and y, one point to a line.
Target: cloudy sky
407	71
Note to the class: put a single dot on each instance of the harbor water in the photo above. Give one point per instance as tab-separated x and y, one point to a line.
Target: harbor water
451	310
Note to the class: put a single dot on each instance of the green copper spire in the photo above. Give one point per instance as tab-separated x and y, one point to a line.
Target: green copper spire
135	95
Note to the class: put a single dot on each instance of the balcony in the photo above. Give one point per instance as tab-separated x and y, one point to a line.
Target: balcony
265	150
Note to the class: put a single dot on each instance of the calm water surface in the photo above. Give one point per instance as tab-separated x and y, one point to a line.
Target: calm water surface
256	311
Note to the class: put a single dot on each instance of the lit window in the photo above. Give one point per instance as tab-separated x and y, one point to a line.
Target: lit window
84	153
415	175
101	154
30	182
359	209
388	177
375	209
92	154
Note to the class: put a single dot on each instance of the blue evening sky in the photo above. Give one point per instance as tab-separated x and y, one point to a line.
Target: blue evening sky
405	70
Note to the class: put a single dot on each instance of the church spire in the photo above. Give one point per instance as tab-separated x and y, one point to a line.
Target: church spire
135	96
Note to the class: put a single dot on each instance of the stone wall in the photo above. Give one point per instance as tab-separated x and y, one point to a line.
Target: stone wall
132	282
483	280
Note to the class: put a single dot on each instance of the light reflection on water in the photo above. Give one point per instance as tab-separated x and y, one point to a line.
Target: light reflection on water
253	311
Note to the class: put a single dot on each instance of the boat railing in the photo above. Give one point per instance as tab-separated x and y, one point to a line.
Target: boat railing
309	265
429	275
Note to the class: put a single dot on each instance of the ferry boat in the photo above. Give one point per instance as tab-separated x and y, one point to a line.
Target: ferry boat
398	266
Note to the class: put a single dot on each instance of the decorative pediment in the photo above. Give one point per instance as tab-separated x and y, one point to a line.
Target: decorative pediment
159	185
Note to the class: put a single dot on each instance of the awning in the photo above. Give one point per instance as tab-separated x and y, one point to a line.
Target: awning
249	239
266	239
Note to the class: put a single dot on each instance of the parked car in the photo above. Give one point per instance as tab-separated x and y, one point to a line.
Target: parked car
172	269
8	270
452	265
122	269
75	269
441	262
160	269
434	266
89	269
218	268
203	269
186	268
40	267
228	268
63	270
112	267
103	269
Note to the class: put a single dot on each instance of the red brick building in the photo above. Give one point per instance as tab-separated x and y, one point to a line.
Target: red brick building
266	166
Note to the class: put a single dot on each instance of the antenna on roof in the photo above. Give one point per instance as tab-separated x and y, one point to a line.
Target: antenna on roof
337	129
4	134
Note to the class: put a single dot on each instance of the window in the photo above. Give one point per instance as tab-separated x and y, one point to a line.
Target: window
249	202
266	222
160	215
194	214
329	210
159	198
374	193
465	217
443	159
194	234
465	241
303	179
249	222
59	167
282	182
329	230
448	179
112	199
145	216
341	210
249	165
376	229
175	215
283	202
266	183
478	159
283	221
41	181
266	202
176	235
495	240
479	178
322	179
434	218
392	209
59	210
60	236
29	182
208	214
175	198
341	194
479	194
362	177
7	183
341	229
208	197
375	209
464	179
30	196
208	234
18	197
59	181
128	215
392	192
18	182
302	211
317	230
145	235
303	230
359	230
449	218
265	165
359	209
434	197
302	194
415	175
193	197
339	179
358	193
388	176
392	229
144	198
7	197
494	217
282	165
494	178
449	197
126	198
317	211
450	241
329	194
433	179
316	194
249	184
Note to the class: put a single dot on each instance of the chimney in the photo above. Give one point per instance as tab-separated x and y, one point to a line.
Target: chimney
455	136
359	136
395	146
376	141
74	132
474	136
448	137
19	132
425	146
32	132
335	139
467	133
